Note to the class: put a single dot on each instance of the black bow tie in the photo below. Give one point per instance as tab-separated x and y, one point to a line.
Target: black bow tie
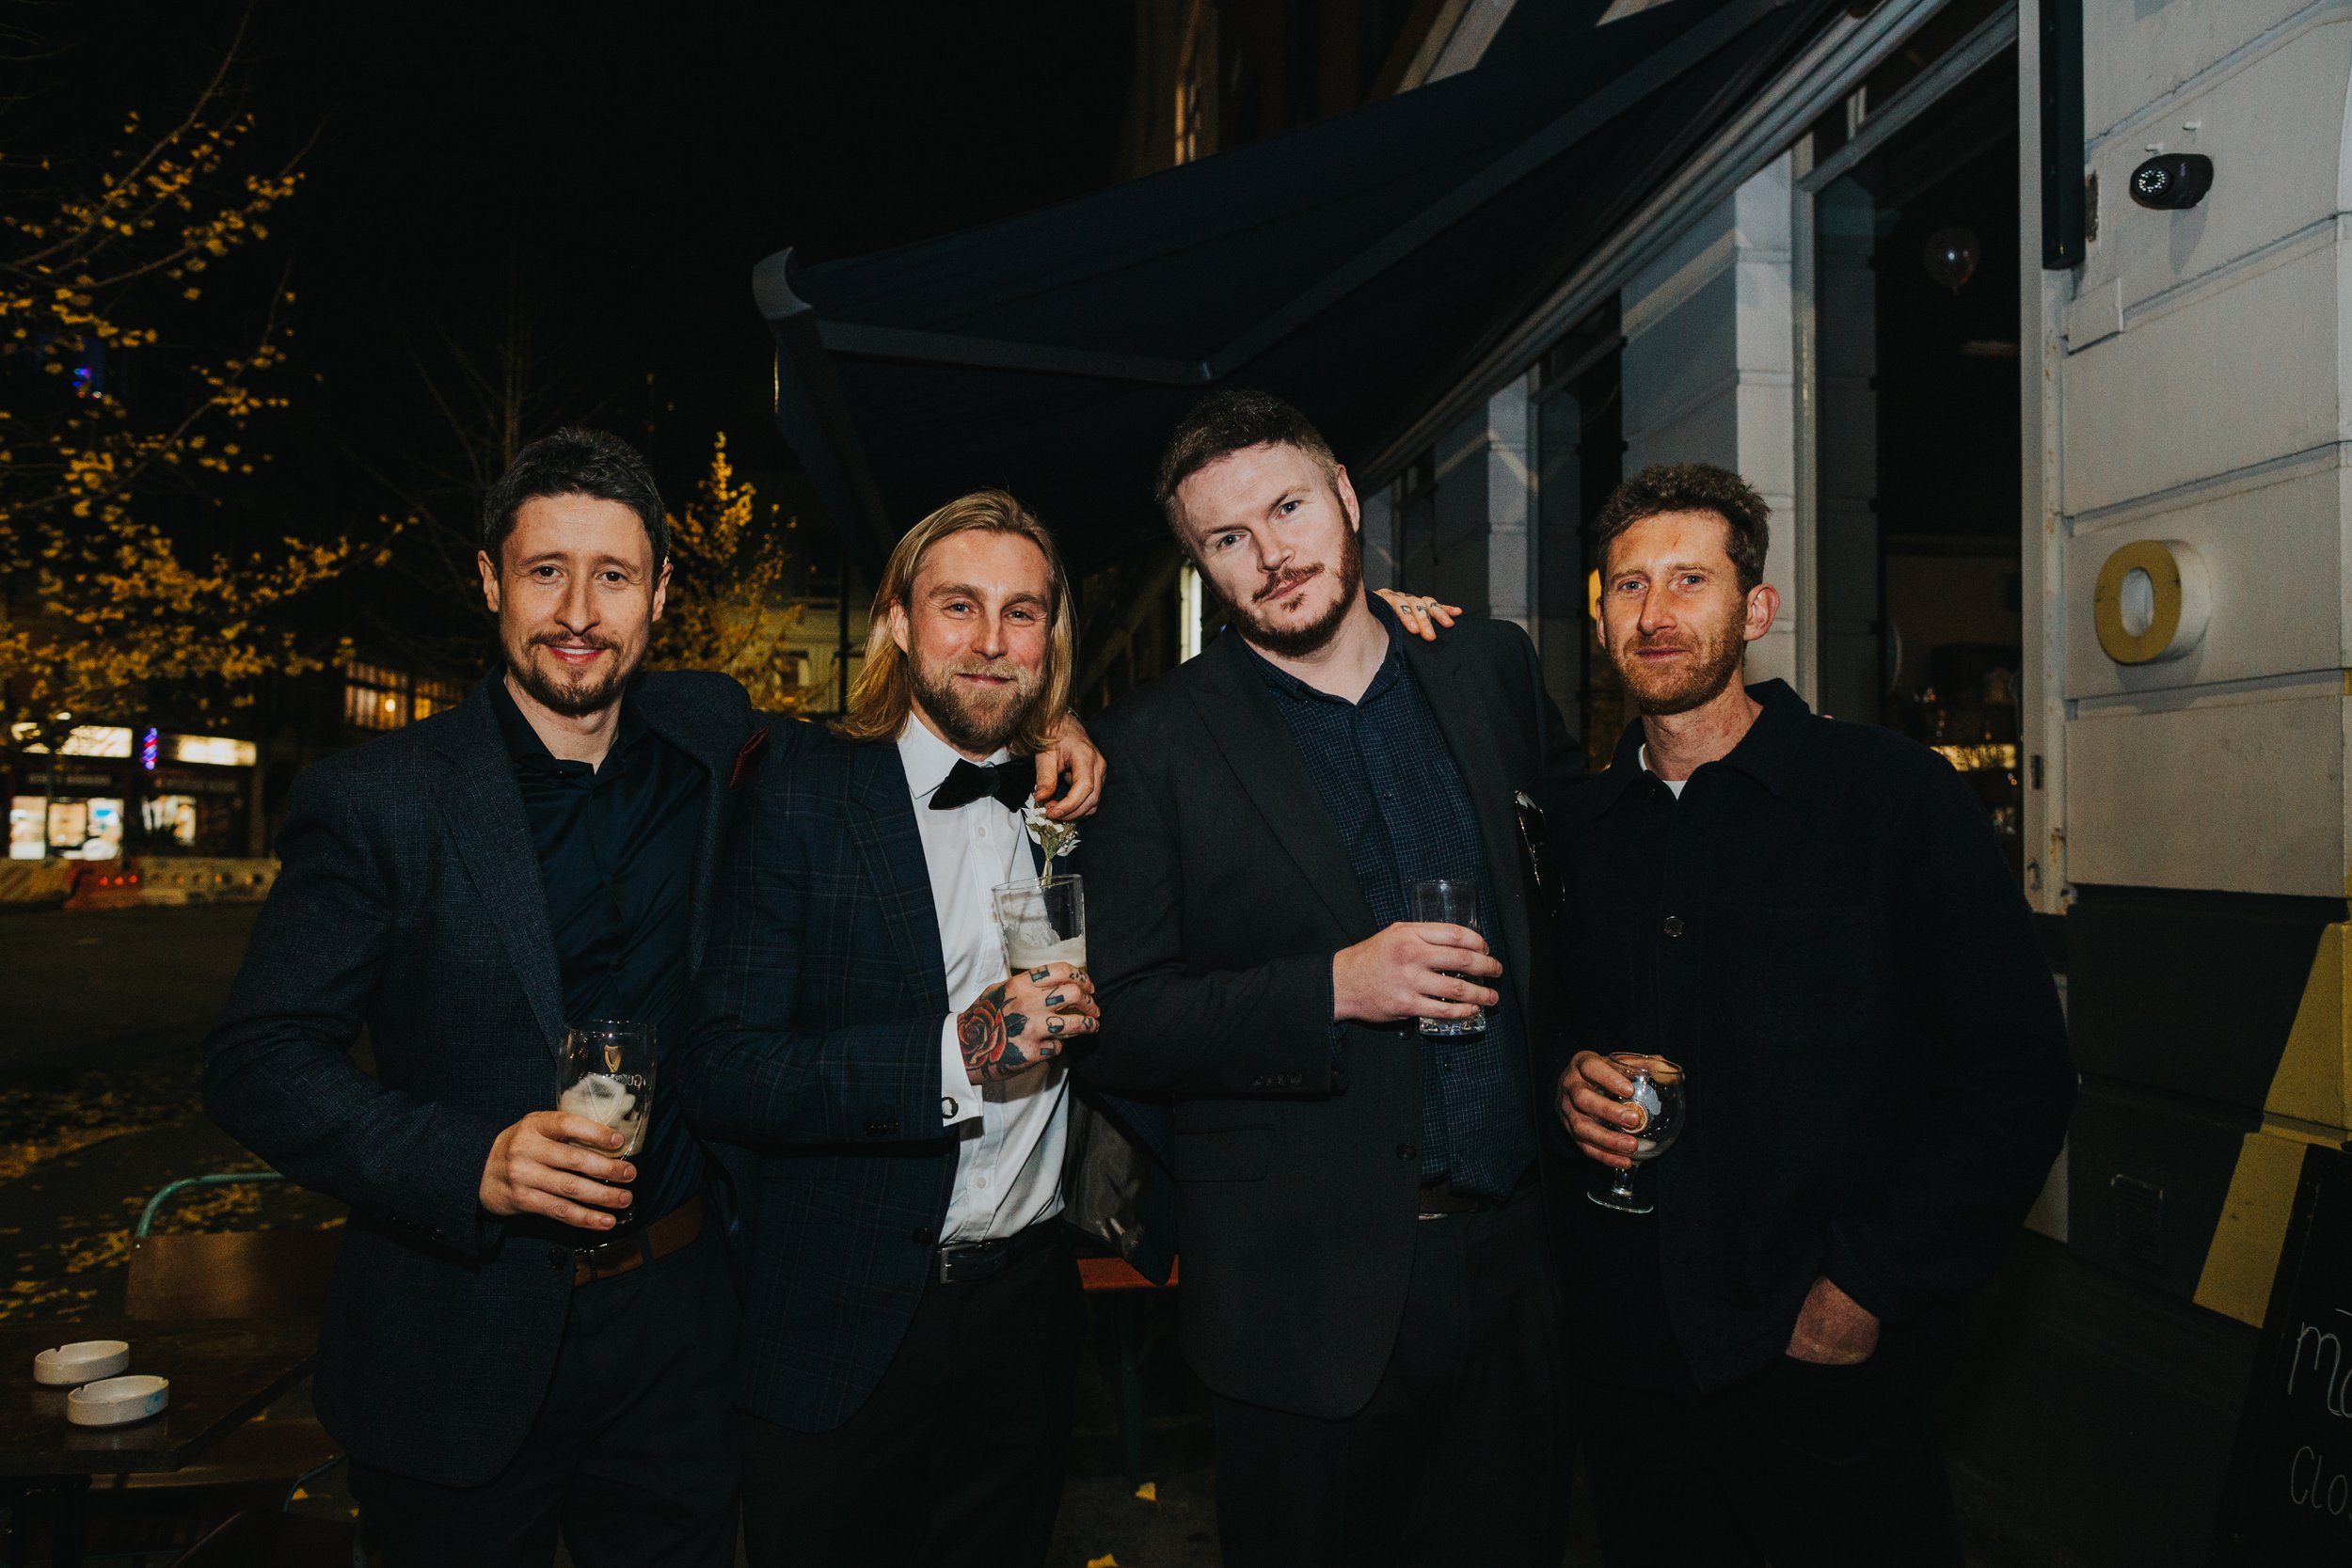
1012	783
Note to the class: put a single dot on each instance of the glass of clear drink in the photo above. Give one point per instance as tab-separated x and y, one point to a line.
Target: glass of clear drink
1658	1095
606	1075
1449	901
1042	923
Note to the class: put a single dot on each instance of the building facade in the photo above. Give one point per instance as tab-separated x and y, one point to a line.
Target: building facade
2072	511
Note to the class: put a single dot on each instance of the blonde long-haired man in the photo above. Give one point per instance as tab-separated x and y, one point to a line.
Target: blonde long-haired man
912	1312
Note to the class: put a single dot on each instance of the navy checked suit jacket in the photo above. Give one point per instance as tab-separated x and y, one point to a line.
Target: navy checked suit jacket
817	1049
409	901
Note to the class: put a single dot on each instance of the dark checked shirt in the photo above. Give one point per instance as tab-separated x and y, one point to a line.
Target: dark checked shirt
616	852
1389	780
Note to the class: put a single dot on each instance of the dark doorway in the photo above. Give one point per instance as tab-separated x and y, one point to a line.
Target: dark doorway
1921	462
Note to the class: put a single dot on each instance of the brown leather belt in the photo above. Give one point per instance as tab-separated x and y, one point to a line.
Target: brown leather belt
676	1229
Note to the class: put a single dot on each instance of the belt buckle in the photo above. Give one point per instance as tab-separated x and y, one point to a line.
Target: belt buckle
971	1260
605	1253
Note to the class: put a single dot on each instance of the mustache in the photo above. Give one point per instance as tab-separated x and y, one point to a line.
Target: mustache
1283	585
1002	668
567	640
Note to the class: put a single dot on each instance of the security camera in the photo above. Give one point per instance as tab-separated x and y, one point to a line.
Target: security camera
2172	180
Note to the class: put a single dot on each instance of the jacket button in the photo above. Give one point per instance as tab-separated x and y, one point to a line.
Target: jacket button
922	1235
1674	925
1405	1151
556	1258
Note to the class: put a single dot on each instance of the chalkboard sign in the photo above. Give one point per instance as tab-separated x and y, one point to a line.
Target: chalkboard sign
2289	1496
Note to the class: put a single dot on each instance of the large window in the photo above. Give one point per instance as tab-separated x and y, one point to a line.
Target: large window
376	697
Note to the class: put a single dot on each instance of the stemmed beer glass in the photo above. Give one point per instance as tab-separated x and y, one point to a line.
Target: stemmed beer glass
1658	1095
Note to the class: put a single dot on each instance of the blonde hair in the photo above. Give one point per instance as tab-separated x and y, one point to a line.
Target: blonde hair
884	693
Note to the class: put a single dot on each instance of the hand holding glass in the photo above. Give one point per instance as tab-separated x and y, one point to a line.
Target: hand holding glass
1658	1095
606	1076
1449	901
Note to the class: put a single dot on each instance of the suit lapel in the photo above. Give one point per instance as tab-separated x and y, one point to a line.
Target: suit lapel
881	824
484	812
1463	699
1240	716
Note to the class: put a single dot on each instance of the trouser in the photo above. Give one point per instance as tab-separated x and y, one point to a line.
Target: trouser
630	1459
957	1456
1799	1465
1462	1454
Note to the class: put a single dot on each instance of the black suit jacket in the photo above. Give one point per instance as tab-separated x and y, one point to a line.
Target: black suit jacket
1218	892
817	1049
409	903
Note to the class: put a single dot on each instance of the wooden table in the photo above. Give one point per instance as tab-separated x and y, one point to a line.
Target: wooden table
222	1375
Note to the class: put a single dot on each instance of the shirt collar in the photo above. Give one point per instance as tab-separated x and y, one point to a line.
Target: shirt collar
929	760
523	744
1767	753
1392	665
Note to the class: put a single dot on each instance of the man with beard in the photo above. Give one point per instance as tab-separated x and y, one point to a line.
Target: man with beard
1368	1283
914	1313
1813	920
501	1361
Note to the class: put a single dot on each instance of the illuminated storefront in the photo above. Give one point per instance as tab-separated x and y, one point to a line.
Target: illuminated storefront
115	791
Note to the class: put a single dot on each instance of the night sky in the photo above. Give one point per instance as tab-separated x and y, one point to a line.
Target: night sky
617	169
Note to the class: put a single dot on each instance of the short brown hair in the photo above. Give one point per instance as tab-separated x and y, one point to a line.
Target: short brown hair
1693	487
1225	421
884	693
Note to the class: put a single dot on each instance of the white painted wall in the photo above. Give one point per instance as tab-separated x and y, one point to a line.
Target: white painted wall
1708	368
2200	378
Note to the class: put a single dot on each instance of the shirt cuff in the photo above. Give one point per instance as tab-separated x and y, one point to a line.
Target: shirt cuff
959	1097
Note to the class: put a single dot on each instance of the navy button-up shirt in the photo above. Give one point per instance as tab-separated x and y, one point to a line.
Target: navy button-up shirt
616	847
1387	777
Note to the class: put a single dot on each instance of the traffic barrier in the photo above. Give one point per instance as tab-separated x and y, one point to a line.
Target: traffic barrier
147	880
35	881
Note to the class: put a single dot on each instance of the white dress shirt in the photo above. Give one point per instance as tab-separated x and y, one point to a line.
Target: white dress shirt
1011	1135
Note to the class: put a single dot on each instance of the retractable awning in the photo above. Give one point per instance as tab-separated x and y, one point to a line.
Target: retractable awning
1355	267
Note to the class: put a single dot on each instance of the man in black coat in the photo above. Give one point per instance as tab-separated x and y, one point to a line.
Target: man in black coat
1368	1282
1812	920
500	1361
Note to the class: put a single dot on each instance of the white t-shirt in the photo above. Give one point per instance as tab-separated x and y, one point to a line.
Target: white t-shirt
1674	785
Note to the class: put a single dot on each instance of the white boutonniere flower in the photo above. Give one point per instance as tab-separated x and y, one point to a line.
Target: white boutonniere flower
1054	839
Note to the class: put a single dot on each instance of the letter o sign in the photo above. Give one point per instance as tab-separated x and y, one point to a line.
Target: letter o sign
2152	602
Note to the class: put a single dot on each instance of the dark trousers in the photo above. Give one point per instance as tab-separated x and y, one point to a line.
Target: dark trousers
1462	1454
958	1454
1799	1465
629	1457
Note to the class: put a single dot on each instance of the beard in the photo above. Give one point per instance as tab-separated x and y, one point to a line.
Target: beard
574	697
1298	641
970	722
1695	682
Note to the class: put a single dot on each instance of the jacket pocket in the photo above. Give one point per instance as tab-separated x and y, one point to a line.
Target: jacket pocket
1225	1154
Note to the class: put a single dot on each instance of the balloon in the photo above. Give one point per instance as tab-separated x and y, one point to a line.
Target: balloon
1951	257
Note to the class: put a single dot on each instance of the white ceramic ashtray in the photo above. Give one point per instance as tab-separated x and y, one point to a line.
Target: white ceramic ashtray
118	1400
83	1362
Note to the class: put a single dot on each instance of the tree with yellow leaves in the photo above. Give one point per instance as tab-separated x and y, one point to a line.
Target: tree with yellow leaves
103	602
730	604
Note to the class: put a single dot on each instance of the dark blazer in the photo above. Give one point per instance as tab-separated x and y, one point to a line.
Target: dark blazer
409	903
817	1049
1219	891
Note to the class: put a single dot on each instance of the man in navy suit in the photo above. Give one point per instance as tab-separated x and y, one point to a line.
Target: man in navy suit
501	1362
914	1312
